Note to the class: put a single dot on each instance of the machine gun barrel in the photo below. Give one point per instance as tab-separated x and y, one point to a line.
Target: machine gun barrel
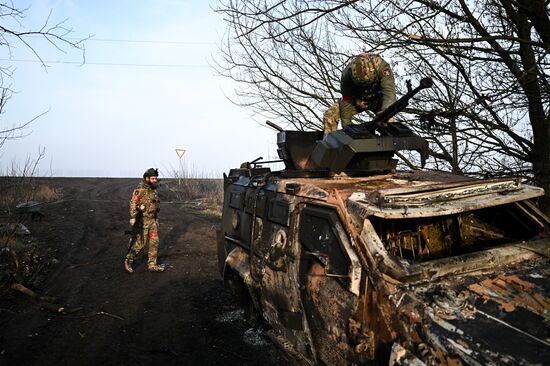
399	105
273	125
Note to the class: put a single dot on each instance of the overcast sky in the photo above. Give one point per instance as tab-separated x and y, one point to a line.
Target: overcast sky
146	88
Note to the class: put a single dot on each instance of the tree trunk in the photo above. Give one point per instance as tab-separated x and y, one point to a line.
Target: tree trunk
541	165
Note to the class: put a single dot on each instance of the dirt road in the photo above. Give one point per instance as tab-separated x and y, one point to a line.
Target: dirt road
181	317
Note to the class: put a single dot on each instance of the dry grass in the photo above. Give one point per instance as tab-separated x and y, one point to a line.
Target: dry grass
15	190
210	190
18	254
203	196
46	193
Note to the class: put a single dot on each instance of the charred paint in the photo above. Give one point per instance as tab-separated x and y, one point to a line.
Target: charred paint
447	301
512	292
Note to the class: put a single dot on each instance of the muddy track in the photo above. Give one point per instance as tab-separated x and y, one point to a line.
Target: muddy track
181	317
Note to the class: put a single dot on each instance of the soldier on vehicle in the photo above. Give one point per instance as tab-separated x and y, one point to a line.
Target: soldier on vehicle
144	207
367	83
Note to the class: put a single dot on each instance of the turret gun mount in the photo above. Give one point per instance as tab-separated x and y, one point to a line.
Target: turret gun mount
357	150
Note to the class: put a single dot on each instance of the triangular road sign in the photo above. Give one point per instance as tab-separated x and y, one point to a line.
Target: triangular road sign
180	152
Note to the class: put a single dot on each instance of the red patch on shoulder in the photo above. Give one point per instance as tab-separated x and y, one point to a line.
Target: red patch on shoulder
153	235
135	198
386	71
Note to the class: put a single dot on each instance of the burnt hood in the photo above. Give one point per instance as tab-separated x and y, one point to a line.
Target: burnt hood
497	318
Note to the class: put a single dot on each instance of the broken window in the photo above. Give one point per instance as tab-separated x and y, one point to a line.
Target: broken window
320	238
443	236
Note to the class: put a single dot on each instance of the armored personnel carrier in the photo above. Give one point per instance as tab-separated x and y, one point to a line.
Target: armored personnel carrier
352	262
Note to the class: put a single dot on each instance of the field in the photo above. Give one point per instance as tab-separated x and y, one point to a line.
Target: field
65	298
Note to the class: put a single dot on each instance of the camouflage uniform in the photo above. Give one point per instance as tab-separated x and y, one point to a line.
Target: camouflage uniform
146	200
367	83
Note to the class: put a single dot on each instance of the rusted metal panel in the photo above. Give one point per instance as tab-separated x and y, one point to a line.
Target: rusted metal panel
449	300
330	307
511	292
440	202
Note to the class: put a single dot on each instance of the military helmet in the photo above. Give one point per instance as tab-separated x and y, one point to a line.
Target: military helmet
151	172
364	68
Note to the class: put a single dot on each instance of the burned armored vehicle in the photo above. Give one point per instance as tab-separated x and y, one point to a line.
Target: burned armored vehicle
352	262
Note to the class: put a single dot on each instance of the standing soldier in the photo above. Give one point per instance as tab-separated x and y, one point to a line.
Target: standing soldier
367	83
144	207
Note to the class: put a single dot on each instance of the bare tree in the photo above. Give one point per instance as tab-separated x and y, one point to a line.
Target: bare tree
489	113
287	71
13	33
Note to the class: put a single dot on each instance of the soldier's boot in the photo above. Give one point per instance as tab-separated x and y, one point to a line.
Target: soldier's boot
128	262
152	265
155	268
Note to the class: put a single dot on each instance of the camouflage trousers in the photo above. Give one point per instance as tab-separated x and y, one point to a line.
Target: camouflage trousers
149	235
343	111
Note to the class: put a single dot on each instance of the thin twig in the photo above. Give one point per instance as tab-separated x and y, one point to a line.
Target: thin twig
109	315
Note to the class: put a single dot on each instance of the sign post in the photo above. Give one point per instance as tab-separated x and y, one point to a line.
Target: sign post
180	153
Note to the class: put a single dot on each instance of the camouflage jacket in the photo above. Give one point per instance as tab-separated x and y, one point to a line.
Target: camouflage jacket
368	78
146	200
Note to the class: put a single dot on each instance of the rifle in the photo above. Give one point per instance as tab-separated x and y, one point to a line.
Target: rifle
136	229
